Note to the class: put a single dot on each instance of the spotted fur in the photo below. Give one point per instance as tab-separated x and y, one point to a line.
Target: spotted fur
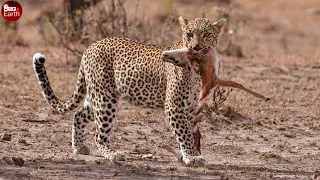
118	67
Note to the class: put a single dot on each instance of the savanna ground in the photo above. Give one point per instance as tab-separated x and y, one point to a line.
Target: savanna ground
247	139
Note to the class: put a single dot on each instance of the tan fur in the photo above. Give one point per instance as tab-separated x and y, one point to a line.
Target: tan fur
209	78
203	62
119	67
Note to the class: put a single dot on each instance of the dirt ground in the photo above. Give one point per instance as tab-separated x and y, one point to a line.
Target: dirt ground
249	139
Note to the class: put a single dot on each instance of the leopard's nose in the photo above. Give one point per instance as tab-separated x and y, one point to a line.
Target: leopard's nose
197	48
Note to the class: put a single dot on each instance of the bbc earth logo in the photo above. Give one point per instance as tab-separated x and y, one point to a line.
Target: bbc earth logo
11	11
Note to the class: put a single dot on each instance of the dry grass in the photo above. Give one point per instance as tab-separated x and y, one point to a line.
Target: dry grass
105	19
9	36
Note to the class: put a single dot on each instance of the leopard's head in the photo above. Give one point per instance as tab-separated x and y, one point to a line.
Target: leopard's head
200	33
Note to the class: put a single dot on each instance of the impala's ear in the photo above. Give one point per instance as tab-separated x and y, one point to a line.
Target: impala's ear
218	25
183	22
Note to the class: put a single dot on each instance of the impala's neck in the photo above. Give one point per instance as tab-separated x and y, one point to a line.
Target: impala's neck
204	64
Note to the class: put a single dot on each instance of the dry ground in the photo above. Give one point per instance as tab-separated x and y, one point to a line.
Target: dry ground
251	139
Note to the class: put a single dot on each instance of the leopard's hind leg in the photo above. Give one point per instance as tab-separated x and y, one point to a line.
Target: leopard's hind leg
104	110
81	118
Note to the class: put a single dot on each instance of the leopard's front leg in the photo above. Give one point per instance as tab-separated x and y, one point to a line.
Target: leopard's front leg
182	128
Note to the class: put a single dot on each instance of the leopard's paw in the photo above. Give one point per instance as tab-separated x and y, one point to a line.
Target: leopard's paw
195	161
81	150
115	156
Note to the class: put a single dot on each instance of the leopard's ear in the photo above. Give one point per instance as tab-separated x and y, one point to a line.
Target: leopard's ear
218	25
183	22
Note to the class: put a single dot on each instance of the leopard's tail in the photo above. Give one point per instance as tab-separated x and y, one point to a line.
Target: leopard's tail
50	97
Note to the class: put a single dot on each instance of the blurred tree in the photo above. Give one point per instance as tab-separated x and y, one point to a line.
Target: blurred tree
75	5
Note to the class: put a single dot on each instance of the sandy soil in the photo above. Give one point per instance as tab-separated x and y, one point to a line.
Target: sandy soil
249	139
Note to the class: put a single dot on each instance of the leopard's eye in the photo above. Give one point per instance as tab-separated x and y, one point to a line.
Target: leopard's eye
189	35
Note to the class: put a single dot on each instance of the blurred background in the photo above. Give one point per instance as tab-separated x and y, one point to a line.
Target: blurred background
255	28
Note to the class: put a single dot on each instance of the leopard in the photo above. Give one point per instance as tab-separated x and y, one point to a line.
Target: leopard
118	67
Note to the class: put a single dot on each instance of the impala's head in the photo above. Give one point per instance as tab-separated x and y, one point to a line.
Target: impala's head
200	33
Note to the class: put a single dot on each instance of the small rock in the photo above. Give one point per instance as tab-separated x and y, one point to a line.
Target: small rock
23	141
7	137
171	168
289	135
18	161
148	112
148	167
8	160
281	129
259	123
147	156
97	161
311	11
224	177
284	69
248	138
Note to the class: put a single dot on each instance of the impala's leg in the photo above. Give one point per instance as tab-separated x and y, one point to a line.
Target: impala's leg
233	84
